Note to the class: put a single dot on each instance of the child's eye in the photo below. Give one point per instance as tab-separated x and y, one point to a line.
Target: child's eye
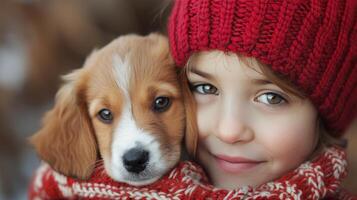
271	98
204	89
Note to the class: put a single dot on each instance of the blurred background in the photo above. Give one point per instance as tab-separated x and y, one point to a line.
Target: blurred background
42	40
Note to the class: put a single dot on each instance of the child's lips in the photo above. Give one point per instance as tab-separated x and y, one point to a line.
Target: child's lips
236	164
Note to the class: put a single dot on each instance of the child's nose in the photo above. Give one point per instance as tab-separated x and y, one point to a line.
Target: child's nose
233	127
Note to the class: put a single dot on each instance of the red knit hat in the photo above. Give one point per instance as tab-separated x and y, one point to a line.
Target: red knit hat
311	42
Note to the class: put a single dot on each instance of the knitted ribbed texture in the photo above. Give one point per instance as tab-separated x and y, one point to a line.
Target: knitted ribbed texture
312	180
311	42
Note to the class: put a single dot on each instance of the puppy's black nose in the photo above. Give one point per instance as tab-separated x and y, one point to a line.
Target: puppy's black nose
135	160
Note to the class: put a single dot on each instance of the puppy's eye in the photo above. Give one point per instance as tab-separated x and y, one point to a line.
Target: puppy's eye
105	116
161	104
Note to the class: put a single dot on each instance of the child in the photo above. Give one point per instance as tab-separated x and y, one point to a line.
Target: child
273	87
274	84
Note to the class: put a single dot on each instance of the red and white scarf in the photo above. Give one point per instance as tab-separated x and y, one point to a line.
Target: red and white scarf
316	179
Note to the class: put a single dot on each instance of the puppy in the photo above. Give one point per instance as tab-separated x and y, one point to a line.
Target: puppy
123	110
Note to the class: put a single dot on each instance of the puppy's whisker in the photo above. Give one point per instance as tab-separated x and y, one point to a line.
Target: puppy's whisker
152	141
162	156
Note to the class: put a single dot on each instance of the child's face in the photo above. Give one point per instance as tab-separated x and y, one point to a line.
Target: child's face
250	130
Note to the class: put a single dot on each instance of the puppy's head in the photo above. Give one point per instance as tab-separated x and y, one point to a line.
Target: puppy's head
125	107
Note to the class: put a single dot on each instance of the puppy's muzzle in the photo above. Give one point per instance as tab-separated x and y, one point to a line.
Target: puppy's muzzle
135	160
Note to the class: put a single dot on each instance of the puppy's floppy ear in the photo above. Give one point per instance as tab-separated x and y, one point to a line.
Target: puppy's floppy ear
191	134
66	140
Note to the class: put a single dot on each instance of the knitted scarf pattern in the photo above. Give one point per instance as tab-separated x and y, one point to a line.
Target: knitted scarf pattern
316	179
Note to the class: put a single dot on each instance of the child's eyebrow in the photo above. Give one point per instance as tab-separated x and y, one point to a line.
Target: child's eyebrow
262	81
201	73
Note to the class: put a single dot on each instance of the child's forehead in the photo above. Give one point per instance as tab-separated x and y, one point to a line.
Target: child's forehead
215	62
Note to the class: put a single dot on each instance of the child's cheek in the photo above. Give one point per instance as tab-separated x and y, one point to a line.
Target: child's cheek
202	99
291	142
206	114
203	122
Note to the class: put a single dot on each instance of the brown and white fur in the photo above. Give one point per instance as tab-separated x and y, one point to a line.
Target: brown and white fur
131	77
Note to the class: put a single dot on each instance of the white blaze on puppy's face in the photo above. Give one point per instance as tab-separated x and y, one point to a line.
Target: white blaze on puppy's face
122	74
127	135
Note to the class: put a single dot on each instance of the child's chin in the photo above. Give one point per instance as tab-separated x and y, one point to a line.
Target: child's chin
230	181
230	186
